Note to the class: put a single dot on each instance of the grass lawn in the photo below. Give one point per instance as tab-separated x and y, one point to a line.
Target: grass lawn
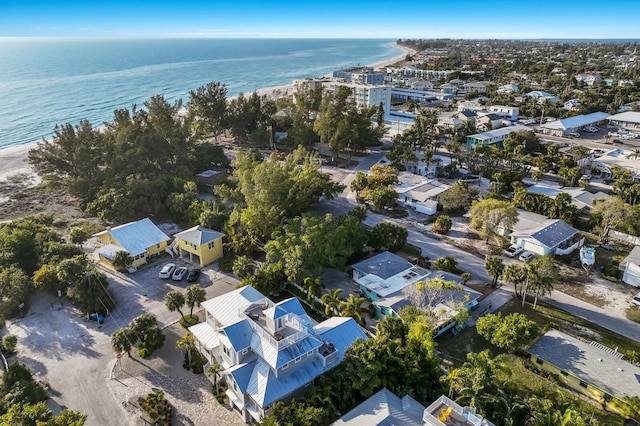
633	313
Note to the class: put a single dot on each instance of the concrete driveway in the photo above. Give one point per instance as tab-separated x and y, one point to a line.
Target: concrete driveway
75	355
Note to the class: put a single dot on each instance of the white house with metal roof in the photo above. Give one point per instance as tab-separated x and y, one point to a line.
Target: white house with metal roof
386	273
540	235
141	239
494	137
419	193
268	352
385	408
382	409
573	124
589	368
630	267
580	198
628	119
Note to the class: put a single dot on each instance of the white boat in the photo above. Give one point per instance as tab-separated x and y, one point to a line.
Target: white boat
587	257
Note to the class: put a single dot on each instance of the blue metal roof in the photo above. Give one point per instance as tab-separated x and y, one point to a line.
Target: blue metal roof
285	307
242	374
239	335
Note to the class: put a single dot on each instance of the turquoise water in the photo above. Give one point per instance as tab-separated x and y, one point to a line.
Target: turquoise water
55	81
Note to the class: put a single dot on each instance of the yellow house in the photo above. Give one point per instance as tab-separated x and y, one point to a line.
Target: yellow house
141	239
592	369
200	244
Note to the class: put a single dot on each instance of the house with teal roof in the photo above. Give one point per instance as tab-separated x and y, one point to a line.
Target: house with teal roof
267	351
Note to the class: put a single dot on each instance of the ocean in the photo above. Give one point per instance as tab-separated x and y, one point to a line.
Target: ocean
44	82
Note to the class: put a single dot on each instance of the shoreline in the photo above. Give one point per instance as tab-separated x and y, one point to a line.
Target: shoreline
14	159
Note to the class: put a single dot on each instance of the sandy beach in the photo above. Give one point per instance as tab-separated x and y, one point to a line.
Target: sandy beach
14	163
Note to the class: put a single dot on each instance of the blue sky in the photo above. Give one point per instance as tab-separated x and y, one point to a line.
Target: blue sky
328	18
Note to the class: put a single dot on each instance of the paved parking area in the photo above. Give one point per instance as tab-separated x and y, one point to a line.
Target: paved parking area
57	342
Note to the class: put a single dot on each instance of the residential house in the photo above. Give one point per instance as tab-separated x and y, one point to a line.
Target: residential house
510	113
566	126
540	235
445	412
592	369
467	115
201	245
508	88
571	104
416	84
447	120
542	96
628	119
267	351
420	194
449	89
474	86
141	239
580	198
616	158
386	273
630	267
444	304
488	121
385	408
589	78
494	137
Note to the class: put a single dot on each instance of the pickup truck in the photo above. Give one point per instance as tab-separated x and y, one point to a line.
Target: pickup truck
513	250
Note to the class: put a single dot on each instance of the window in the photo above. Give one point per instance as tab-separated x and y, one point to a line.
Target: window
285	366
583	383
226	351
298	359
564	373
310	353
158	245
539	361
212	244
244	351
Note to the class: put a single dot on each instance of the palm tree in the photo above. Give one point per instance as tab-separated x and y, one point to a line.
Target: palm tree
514	274
174	301
542	273
195	296
494	266
332	301
121	260
635	154
188	343
122	341
353	308
313	286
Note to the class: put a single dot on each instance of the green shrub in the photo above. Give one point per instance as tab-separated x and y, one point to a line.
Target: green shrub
156	406
189	320
9	343
442	224
197	362
226	264
143	353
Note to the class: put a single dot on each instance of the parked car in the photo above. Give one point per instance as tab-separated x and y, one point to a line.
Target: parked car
591	129
513	250
636	299
167	270
193	275
526	256
179	274
573	134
